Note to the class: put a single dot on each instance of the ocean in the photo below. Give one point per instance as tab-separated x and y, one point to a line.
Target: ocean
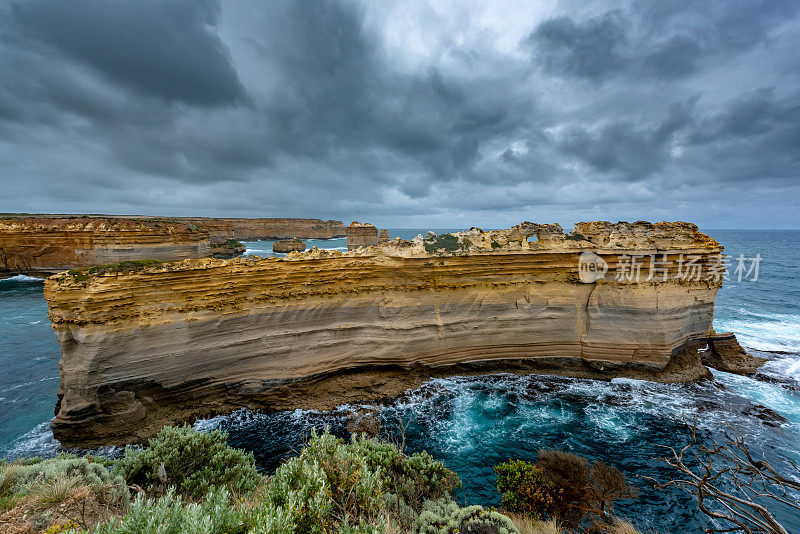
474	423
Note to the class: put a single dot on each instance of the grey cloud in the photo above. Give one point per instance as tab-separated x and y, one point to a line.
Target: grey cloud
400	113
163	48
660	40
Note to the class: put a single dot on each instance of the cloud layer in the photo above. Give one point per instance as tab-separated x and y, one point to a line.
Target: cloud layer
404	113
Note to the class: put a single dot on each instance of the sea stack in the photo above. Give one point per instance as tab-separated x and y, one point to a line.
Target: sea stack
365	235
288	245
175	341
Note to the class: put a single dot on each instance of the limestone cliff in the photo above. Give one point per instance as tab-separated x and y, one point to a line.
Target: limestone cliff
320	328
243	229
31	244
50	243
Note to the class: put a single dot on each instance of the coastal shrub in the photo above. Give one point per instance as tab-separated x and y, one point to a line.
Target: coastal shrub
65	470
524	488
327	484
446	517
562	486
56	493
410	480
446	242
193	462
170	514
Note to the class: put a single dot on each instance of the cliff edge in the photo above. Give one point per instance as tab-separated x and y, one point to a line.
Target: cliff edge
175	341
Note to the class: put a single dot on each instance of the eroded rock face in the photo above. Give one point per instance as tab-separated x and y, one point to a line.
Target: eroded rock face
221	229
726	354
227	249
288	245
32	244
320	328
50	244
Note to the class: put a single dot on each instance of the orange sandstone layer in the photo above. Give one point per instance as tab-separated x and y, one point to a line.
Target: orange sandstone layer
43	244
243	229
32	244
320	328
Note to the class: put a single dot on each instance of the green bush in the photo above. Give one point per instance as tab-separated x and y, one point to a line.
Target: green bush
562	486
49	478
327	484
412	479
193	462
446	242
525	489
171	515
446	517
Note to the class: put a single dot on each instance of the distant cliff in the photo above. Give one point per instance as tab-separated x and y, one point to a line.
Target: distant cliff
41	244
50	243
321	328
255	229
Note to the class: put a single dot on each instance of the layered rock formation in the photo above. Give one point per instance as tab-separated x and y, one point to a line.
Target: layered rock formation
365	235
31	244
227	249
288	245
317	329
220	229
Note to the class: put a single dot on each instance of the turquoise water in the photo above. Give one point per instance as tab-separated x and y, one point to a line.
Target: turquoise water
475	423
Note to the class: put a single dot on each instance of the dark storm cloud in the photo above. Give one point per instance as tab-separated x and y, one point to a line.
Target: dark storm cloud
163	48
666	40
403	112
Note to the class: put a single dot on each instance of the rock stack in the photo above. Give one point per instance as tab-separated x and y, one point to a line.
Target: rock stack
288	245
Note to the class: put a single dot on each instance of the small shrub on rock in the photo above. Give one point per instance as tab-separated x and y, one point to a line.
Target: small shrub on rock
193	462
415	479
170	514
562	486
446	517
524	488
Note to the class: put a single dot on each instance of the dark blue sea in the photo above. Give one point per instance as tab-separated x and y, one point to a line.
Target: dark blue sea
474	423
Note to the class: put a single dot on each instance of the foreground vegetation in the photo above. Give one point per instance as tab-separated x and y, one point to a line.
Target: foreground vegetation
190	482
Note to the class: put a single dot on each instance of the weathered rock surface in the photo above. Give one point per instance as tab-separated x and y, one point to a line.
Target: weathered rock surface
227	249
365	235
317	329
31	244
288	245
220	229
726	354
49	244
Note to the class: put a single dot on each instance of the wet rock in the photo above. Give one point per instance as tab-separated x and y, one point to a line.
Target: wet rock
768	416
726	354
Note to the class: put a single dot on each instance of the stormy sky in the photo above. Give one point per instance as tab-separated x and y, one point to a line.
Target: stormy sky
404	113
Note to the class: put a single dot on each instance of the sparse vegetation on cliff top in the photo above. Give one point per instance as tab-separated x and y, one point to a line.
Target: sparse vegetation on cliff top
185	481
129	266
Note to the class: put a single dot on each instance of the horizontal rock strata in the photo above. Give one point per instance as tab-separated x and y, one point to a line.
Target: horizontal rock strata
45	244
220	229
320	328
31	244
288	245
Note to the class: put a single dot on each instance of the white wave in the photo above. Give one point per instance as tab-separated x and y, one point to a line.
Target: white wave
787	366
22	278
785	402
37	442
771	332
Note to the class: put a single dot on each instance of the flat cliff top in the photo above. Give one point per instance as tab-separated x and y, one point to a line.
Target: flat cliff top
20	223
602	237
163	219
